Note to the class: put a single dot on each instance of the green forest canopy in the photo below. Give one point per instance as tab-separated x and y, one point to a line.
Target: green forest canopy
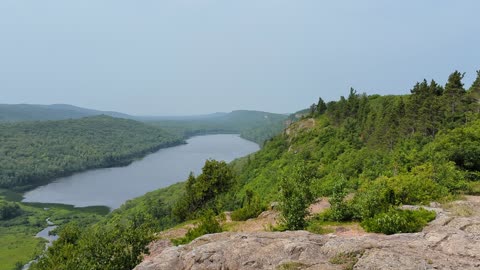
32	153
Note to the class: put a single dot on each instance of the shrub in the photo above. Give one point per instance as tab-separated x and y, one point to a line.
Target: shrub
373	198
252	207
296	196
9	210
399	221
340	210
208	224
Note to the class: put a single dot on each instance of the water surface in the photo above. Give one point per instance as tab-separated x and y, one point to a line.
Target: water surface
113	186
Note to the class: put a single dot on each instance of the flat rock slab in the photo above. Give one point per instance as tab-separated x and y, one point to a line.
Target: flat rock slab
449	242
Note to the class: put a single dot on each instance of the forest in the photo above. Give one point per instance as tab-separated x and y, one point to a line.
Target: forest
367	154
34	153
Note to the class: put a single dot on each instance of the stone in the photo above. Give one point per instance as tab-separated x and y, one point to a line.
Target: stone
449	242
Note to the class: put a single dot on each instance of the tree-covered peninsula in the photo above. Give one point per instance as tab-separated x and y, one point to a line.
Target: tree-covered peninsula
35	153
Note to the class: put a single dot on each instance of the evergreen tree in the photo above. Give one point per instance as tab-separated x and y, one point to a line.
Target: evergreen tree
454	98
321	106
474	93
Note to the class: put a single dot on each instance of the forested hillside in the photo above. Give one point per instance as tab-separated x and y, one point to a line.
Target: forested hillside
368	154
33	153
33	112
252	125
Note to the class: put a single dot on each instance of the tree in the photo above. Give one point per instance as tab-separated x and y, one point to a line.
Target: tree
296	196
201	191
474	93
425	110
454	97
321	106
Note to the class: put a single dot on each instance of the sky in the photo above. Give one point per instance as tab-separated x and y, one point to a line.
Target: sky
184	57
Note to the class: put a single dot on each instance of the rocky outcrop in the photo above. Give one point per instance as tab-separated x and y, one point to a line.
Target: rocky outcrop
452	241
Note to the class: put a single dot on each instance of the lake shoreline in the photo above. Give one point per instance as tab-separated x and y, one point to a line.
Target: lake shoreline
159	172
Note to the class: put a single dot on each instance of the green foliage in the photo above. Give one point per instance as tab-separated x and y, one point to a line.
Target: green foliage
203	192
9	210
460	145
399	221
33	153
340	209
296	196
17	242
387	150
208	224
348	259
252	207
117	244
292	266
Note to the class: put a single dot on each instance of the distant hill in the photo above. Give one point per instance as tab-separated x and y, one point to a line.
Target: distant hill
256	126
34	112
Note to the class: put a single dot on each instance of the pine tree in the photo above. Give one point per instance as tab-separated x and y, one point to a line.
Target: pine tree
321	106
454	98
474	94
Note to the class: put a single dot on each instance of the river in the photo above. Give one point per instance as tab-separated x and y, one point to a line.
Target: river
113	186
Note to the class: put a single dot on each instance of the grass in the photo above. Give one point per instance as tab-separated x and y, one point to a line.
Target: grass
325	227
459	209
292	266
474	188
347	259
18	244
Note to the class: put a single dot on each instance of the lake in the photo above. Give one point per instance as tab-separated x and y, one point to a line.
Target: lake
113	186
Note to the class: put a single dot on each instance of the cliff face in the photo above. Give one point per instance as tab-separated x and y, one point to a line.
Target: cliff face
452	241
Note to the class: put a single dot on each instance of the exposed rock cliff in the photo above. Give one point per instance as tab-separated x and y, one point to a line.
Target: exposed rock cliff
452	241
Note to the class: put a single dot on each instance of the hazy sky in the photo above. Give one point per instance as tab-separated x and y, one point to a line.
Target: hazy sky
198	56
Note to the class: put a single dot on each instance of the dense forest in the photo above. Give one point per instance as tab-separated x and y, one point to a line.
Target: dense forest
368	154
33	153
255	126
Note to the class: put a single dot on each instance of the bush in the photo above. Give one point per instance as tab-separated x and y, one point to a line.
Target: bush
203	192
399	221
340	210
296	196
373	198
9	210
208	224
252	208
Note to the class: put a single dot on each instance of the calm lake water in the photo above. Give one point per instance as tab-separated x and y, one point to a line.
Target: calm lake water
113	186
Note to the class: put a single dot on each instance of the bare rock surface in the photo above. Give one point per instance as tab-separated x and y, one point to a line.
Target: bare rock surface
451	241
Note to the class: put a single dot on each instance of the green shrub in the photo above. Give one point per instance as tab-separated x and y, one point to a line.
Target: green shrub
340	210
252	207
296	196
373	198
399	221
208	224
9	210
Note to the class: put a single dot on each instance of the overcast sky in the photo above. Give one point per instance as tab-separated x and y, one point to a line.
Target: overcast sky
181	57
